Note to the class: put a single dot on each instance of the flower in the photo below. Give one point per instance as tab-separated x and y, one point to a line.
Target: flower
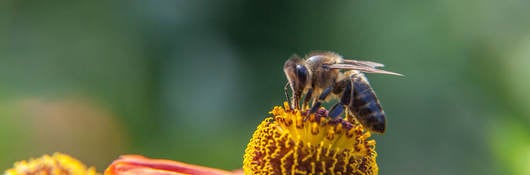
290	142
57	164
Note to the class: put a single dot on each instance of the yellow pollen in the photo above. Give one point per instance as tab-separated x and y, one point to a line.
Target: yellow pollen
290	142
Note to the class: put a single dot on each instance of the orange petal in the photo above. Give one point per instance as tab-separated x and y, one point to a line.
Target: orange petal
135	164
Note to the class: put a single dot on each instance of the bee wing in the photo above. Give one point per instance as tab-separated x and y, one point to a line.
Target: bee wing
362	68
364	63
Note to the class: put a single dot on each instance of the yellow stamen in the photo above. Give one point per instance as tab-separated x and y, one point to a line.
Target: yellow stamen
289	142
57	164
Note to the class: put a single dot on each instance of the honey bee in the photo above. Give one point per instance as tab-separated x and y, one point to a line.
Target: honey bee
321	74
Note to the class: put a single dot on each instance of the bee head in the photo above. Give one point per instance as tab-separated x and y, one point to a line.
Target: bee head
297	74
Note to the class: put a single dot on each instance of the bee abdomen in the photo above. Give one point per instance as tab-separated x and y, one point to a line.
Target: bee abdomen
367	108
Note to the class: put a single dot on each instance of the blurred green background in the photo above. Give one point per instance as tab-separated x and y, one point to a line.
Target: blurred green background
190	80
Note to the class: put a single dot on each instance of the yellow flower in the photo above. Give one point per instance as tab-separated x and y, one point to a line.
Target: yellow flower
57	164
292	143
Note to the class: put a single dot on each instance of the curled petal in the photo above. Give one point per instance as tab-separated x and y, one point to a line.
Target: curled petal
135	164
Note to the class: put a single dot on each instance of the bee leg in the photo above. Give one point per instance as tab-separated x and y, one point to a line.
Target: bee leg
296	100
345	99
285	89
321	98
336	110
308	97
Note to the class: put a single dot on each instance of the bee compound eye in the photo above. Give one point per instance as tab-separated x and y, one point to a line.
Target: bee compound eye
302	73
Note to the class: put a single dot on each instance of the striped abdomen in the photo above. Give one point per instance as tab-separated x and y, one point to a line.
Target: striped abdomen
366	106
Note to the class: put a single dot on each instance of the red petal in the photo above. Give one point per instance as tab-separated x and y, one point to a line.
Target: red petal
135	164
